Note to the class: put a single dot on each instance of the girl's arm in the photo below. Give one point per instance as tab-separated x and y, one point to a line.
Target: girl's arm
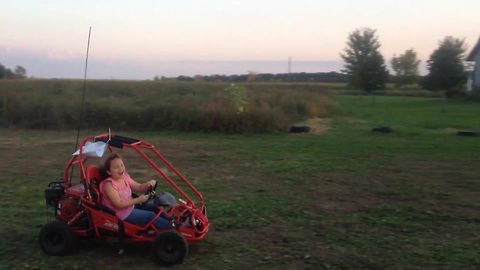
115	198
142	188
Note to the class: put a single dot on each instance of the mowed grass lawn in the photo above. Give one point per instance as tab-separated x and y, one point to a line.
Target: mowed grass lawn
345	199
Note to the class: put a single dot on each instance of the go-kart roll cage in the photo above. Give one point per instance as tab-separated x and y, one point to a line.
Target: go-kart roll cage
139	146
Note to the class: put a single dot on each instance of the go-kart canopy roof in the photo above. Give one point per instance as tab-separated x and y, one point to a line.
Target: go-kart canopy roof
116	140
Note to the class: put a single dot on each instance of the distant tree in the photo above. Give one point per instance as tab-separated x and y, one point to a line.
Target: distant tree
6	73
184	78
334	77
3	72
252	76
198	78
364	65
20	72
9	74
405	67
446	70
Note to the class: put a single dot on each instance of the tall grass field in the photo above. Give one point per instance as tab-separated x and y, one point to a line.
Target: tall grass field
152	105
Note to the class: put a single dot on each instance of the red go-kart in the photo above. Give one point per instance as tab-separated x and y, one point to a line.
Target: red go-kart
79	212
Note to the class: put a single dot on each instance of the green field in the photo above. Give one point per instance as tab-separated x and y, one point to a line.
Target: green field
347	198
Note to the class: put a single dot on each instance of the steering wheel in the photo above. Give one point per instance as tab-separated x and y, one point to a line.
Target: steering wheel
151	191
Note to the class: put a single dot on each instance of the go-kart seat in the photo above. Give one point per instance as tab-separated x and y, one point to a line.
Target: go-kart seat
93	181
94	177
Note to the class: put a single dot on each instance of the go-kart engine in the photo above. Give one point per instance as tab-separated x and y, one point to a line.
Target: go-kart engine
54	193
67	209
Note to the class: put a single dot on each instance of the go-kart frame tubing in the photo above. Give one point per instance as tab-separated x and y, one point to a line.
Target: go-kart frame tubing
137	146
131	230
100	216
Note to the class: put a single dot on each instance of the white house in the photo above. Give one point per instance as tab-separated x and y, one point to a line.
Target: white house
474	69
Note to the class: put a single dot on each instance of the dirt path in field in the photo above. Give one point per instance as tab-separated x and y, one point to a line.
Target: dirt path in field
319	126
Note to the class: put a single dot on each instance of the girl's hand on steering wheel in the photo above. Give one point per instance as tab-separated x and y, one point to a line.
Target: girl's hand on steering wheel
142	198
151	184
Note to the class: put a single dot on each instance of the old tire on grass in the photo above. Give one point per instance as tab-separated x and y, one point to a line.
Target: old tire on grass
299	129
382	129
169	248
468	133
57	238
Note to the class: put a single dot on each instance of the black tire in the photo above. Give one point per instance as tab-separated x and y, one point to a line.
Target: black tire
382	129
299	129
57	238
468	133
169	248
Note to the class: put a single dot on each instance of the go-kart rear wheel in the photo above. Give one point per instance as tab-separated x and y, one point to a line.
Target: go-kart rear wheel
169	248
57	238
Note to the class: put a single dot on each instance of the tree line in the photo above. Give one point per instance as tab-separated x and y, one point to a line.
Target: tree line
366	69
7	74
333	77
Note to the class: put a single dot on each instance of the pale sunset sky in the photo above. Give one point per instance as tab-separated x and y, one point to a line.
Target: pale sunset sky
142	39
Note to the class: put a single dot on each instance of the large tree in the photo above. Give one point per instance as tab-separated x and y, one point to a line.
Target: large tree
6	73
3	71
446	70
20	72
405	67
364	64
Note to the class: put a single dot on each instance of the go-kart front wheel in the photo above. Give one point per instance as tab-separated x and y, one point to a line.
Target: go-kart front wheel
57	238
169	248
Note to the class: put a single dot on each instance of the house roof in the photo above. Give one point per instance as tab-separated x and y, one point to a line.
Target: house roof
475	50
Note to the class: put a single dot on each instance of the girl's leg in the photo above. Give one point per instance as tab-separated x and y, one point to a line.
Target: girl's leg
140	217
148	206
163	222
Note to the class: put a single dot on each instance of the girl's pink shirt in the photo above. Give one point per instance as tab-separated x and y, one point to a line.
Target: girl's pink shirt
124	191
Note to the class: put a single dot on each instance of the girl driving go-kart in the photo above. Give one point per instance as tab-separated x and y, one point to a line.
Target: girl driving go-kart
103	205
